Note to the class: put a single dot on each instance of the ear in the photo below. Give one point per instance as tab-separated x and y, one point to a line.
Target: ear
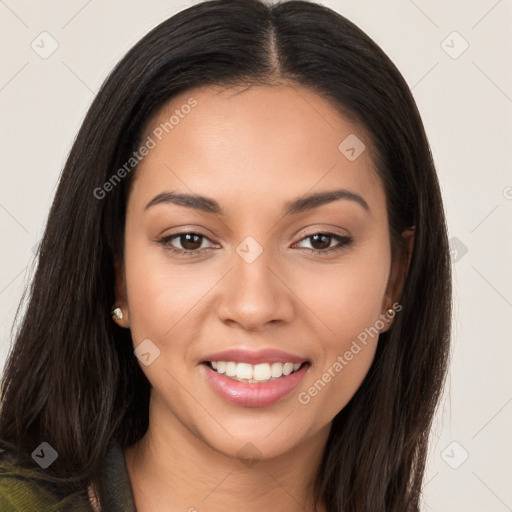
120	293
398	273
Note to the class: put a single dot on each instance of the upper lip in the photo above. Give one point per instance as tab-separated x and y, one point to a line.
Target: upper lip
269	355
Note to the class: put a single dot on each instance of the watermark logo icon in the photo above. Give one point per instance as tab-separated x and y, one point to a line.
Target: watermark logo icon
457	249
45	455
351	147
249	250
249	454
454	45
454	455
146	352
44	45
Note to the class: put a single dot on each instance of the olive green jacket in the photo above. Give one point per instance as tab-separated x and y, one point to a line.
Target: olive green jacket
21	493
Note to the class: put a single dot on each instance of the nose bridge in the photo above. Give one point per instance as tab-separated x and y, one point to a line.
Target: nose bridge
252	294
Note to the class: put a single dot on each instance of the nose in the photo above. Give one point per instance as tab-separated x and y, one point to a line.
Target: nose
255	294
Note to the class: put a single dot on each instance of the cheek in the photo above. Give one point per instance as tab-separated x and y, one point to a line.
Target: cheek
348	300
159	293
346	297
329	389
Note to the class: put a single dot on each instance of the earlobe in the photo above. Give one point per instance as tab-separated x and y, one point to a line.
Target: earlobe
119	311
120	317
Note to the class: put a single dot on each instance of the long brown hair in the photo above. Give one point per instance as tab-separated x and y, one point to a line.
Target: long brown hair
71	378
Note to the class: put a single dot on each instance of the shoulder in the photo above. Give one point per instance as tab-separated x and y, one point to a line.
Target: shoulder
19	490
24	489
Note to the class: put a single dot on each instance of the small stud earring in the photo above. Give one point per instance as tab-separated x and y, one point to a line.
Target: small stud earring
117	313
390	312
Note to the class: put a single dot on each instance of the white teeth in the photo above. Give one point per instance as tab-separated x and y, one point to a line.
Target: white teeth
276	370
287	368
254	373
262	372
244	370
230	369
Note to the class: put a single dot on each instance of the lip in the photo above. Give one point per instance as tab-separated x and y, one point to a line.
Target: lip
269	355
251	394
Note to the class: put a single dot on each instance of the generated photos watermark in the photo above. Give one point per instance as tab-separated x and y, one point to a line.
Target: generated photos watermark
150	143
304	397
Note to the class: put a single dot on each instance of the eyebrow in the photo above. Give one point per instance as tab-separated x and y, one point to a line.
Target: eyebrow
298	205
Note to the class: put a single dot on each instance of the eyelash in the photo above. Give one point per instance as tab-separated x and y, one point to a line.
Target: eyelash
343	241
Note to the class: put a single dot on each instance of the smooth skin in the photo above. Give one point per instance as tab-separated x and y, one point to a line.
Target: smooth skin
252	150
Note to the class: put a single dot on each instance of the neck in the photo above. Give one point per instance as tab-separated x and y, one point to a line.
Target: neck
171	468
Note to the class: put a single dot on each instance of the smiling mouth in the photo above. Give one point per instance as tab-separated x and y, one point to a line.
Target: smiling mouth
254	373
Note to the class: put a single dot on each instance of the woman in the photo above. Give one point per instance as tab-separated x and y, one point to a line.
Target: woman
242	297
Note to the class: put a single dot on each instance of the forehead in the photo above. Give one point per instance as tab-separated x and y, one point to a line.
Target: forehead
253	144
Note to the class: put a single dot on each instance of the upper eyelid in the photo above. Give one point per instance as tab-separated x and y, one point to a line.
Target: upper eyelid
182	233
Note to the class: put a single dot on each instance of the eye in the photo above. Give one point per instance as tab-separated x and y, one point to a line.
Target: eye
190	241
323	241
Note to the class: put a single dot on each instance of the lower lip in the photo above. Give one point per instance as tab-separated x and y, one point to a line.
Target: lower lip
251	394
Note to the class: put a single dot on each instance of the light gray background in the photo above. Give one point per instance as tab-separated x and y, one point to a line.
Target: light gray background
466	104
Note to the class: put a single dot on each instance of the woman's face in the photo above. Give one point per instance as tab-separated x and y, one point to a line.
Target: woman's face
270	284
